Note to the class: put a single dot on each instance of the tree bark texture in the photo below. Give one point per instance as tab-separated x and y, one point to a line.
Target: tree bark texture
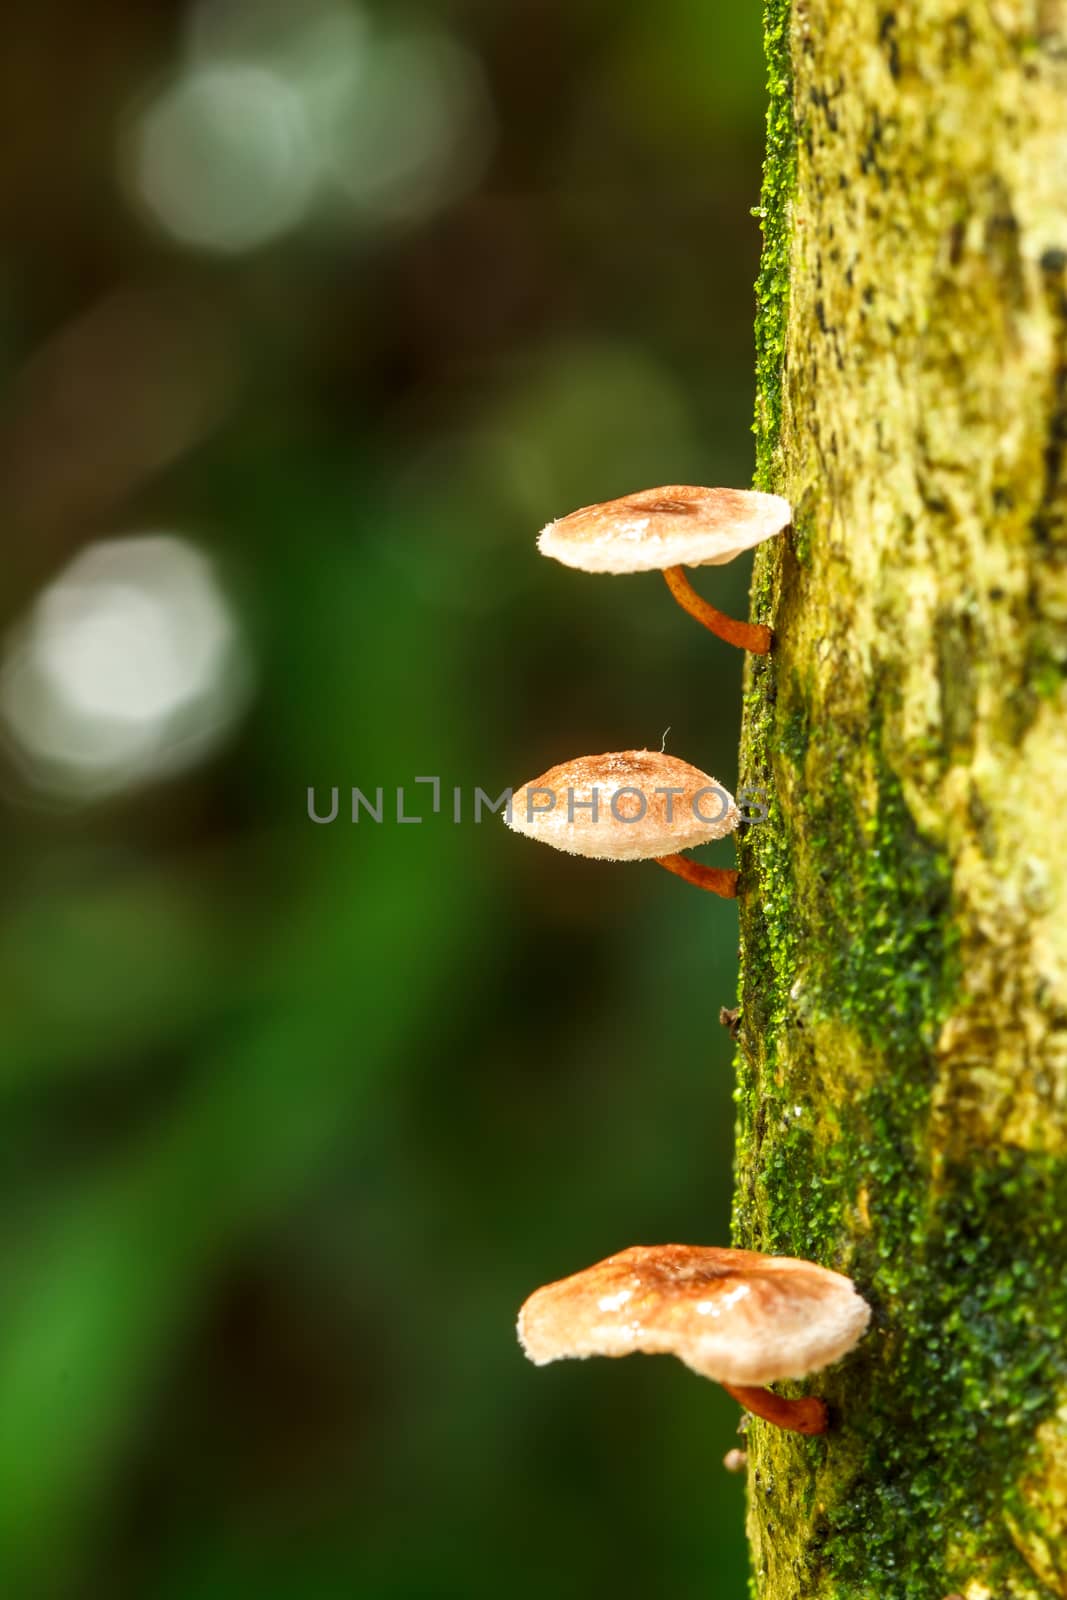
902	1103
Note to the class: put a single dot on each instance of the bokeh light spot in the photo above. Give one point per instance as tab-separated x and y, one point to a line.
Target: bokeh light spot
224	158
416	132
130	666
318	46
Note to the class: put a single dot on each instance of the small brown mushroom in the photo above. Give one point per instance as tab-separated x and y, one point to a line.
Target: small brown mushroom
736	1316
735	1460
630	805
730	1017
667	529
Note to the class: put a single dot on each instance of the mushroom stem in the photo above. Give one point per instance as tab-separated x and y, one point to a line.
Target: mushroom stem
799	1416
720	880
745	635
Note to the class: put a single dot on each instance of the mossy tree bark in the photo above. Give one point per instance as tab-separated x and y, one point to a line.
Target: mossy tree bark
903	1090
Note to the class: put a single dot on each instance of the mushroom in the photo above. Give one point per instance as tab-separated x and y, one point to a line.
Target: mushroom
631	805
736	1316
664	530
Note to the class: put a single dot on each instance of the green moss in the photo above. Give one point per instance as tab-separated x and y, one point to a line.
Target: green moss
940	1473
847	929
1046	666
850	965
795	736
772	285
973	1352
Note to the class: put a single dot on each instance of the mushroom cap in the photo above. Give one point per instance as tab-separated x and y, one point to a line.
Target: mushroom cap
733	1315
677	525
623	831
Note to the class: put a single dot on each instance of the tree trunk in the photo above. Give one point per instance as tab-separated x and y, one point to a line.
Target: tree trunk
903	1093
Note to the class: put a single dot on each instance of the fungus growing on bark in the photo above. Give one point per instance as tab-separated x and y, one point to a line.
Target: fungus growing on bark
668	529
630	805
730	1017
736	1316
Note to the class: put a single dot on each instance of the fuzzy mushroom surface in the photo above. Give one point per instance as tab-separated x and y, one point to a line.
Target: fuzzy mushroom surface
736	1316
666	529
630	805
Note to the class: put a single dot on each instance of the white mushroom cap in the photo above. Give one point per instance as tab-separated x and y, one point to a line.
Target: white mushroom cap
733	1315
678	525
639	825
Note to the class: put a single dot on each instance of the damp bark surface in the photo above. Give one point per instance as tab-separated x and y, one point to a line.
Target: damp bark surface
902	1095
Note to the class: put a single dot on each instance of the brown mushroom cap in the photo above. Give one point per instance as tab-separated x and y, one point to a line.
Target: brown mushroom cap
678	525
668	822
733	1315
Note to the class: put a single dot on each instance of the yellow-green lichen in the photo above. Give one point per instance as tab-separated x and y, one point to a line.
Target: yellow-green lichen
902	1087
772	287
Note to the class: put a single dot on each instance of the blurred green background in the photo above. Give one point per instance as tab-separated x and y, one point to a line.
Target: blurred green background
322	312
